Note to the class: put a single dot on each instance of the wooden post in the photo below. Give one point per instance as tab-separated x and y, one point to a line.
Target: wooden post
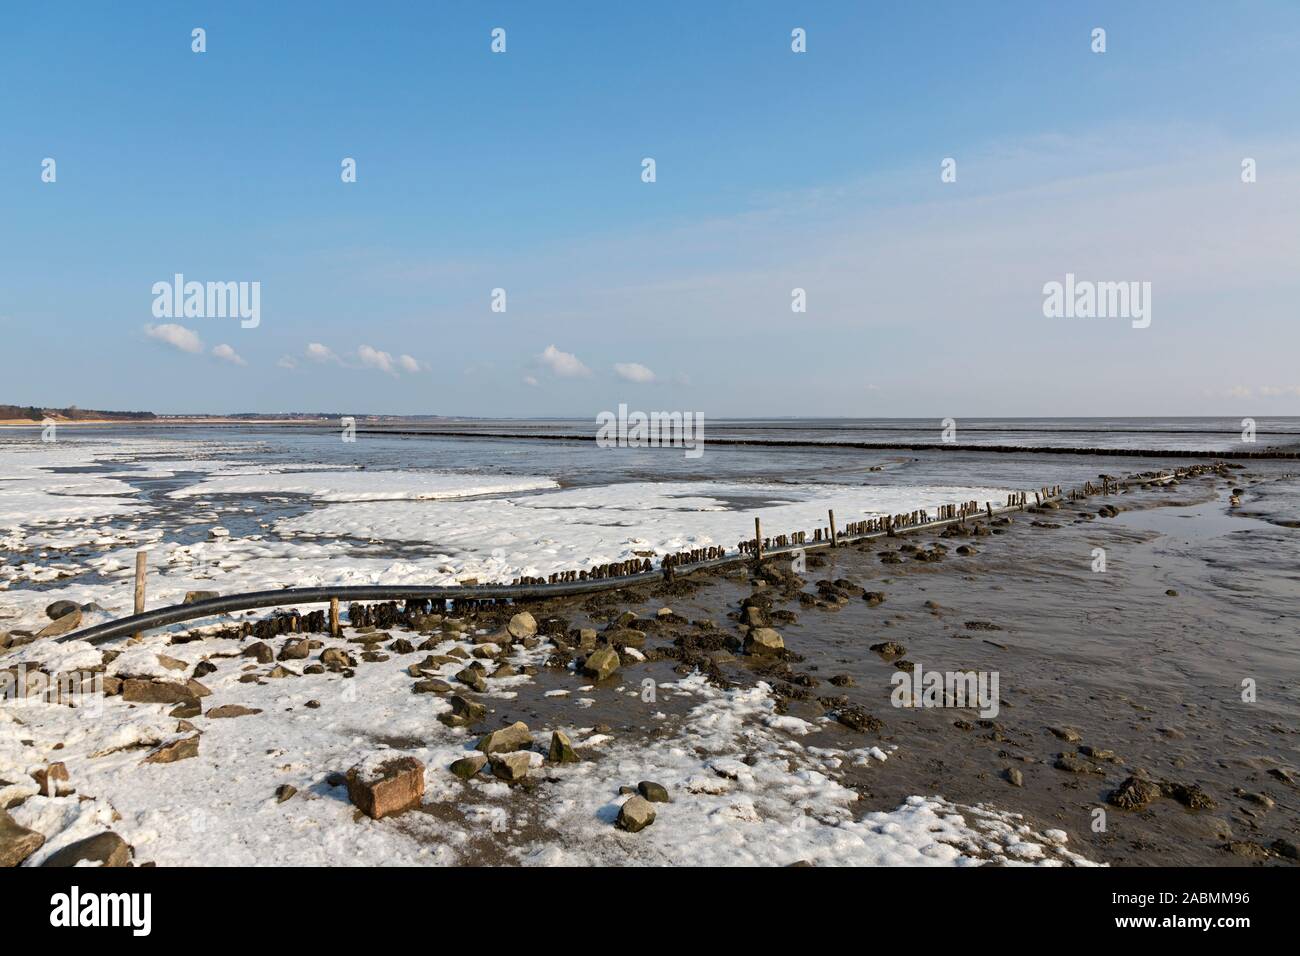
334	617
835	538
758	539
141	559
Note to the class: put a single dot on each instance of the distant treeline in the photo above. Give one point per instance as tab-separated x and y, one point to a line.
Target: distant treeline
72	413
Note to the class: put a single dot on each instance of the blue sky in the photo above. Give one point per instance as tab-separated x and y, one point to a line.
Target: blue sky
775	170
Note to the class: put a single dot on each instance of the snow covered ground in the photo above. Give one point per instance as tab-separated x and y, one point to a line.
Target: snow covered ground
745	789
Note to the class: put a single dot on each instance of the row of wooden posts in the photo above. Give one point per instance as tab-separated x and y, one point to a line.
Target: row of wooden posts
886	524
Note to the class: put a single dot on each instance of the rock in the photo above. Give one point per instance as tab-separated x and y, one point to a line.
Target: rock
635	814
312	704
280	671
855	718
17	843
53	780
60	608
171	663
1072	764
654	792
1014	777
233	710
193	596
1134	794
1188	794
67	622
522	625
296	650
664	612
430	685
511	767
189	708
1281	847
204	668
469	765
172	751
561	748
754	617
259	651
625	637
336	658
463	711
106	849
284	792
136	691
402	646
889	649
472	677
763	641
391	787
601	664
514	737
1067	734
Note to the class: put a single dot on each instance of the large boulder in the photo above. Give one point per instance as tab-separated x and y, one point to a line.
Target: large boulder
106	849
17	843
635	815
763	640
381	789
562	748
511	767
522	625
63	624
137	691
60	608
514	737
601	664
180	749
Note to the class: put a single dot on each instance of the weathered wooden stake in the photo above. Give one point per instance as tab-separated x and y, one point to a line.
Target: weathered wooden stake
334	617
835	538
141	559
758	539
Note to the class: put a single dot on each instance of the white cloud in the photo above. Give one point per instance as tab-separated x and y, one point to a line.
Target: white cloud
227	354
177	336
319	353
530	380
634	372
373	358
563	364
408	363
287	361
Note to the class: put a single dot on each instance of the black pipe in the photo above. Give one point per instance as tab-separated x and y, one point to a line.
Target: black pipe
177	613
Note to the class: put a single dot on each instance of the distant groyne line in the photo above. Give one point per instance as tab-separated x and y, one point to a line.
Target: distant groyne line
1288	454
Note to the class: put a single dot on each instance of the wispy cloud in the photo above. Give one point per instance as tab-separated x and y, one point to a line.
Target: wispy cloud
563	364
228	354
634	372
177	336
320	353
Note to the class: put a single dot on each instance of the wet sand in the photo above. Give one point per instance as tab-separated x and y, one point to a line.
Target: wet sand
1109	657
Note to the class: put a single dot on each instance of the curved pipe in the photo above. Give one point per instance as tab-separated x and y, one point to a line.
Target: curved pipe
162	617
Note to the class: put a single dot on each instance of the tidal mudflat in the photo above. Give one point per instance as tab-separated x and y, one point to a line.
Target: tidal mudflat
735	716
